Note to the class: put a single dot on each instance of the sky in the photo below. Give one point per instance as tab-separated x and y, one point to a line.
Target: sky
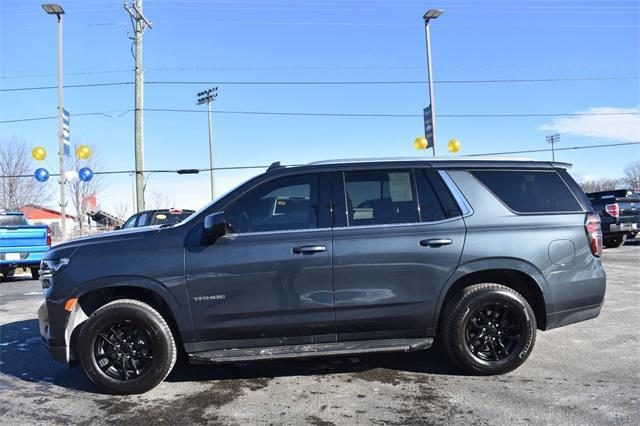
220	43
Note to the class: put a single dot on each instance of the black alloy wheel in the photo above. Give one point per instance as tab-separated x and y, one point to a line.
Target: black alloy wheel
126	347
124	350
488	329
494	331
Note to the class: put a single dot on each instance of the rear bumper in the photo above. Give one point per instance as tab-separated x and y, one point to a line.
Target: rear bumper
571	316
29	259
576	295
623	227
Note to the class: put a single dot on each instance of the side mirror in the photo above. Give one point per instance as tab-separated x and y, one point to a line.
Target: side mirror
215	226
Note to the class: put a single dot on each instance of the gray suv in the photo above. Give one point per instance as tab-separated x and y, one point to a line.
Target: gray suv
333	258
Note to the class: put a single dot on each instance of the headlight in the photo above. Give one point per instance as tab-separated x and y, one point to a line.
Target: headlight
49	267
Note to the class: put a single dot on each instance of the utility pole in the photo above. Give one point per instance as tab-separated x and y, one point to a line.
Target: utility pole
56	9
553	139
207	97
431	14
139	23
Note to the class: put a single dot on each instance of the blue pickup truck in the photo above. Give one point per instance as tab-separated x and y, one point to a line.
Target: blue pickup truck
22	245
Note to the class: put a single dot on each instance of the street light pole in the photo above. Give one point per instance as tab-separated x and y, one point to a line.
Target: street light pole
207	97
552	139
431	14
56	9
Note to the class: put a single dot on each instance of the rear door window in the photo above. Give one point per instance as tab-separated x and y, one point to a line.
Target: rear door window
530	191
436	202
380	197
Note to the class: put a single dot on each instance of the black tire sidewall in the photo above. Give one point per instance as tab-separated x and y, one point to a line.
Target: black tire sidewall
144	317
457	331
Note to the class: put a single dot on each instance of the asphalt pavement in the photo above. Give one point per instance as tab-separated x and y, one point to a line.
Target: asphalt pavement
586	373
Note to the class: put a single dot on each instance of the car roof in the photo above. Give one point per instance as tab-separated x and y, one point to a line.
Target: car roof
441	162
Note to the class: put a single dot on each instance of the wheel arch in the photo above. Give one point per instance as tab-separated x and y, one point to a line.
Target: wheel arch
98	293
518	275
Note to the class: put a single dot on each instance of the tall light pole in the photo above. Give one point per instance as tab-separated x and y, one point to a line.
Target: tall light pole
553	139
140	23
56	9
431	14
207	97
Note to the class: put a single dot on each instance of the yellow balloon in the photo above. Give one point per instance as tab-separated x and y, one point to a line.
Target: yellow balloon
39	153
454	145
83	152
420	143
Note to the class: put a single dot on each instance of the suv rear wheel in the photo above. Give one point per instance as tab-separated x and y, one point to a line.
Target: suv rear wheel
126	347
489	329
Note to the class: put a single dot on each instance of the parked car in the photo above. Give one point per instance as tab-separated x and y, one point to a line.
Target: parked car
619	212
22	245
157	217
334	258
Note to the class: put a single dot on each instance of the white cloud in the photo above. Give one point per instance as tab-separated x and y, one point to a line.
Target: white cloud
620	127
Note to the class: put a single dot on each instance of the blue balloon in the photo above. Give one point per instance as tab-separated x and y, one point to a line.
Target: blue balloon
41	175
85	174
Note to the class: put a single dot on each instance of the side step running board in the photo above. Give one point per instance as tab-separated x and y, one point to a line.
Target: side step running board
310	350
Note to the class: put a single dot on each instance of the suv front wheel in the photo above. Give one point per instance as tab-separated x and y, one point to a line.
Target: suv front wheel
126	347
489	329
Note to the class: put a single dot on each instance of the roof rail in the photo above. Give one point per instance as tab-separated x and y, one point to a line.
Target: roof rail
274	166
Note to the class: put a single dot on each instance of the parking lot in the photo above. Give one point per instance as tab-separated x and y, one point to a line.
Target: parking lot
585	373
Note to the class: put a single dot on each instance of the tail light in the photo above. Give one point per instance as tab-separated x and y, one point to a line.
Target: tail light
49	236
594	233
613	209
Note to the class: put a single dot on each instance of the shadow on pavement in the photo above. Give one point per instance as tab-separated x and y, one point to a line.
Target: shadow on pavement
431	361
23	356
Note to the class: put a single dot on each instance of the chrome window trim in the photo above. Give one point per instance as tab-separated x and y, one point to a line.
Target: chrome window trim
283	231
397	225
464	205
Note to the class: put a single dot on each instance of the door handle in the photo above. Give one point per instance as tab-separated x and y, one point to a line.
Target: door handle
436	242
308	249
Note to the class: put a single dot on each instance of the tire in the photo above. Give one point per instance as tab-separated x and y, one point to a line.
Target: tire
132	342
8	273
614	242
35	273
470	322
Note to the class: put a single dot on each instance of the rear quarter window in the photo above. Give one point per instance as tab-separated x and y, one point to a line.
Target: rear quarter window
530	191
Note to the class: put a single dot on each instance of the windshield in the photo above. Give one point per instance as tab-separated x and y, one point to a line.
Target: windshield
13	220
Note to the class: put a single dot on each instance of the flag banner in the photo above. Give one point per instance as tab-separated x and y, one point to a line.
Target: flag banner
428	126
66	132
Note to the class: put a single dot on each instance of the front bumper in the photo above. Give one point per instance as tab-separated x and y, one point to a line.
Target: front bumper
52	330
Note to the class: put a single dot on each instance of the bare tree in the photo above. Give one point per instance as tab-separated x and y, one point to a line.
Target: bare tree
604	184
121	211
17	192
80	192
160	201
632	175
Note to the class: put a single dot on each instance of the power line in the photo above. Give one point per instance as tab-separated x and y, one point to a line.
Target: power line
264	166
327	114
328	68
326	83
